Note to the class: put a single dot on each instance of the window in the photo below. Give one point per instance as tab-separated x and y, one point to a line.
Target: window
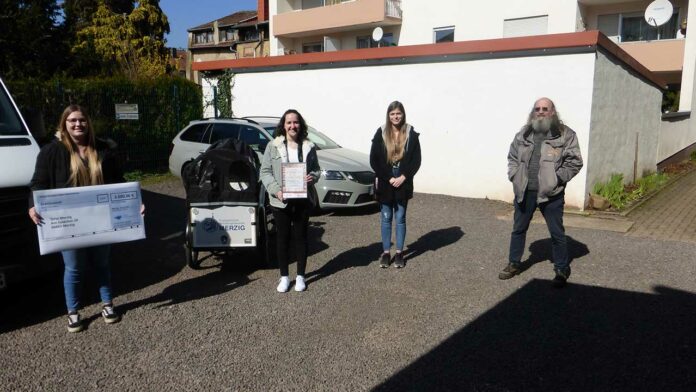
224	131
251	35
194	133
520	27
203	37
443	34
306	4
229	35
633	27
254	138
368	42
313	47
9	120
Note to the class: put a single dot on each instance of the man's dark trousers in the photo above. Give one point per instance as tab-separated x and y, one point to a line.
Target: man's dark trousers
552	211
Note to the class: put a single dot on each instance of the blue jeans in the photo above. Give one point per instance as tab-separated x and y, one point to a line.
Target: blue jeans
76	262
552	211
396	210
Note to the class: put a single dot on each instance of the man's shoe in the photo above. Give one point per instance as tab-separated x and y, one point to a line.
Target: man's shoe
384	260
561	277
75	323
109	314
399	260
283	284
509	271
300	284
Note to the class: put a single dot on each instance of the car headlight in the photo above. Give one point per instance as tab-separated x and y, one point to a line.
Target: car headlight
332	175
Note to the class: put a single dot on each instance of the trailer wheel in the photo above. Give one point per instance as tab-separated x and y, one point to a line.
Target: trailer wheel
190	254
192	257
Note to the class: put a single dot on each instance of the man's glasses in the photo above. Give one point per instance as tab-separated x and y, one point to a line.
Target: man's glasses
74	120
541	109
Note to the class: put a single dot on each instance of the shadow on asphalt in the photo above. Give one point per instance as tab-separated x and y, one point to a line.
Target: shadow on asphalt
134	265
540	250
229	275
581	338
364	255
433	241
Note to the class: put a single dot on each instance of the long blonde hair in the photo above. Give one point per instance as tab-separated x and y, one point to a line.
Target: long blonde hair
395	146
80	173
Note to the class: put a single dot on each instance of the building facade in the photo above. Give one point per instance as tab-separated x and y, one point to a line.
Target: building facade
303	26
243	34
462	67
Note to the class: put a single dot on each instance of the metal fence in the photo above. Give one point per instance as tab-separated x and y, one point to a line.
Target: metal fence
143	136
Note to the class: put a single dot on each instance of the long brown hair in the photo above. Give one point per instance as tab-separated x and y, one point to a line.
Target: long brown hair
81	172
395	146
280	128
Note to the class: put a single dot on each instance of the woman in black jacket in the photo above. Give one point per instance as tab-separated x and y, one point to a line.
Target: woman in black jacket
395	157
76	158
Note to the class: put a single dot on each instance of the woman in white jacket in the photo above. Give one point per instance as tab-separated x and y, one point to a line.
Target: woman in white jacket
291	215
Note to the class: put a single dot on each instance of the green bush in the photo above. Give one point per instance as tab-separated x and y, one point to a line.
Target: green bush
620	195
165	105
648	184
612	190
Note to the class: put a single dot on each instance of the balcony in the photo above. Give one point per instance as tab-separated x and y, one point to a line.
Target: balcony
336	16
666	58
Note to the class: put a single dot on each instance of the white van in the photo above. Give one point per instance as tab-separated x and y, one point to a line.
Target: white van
18	150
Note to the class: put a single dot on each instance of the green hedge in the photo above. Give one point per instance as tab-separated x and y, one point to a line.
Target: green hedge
165	106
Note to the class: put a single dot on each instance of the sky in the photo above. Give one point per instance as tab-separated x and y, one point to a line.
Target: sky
185	14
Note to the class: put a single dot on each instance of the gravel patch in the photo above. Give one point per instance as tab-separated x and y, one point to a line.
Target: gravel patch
445	322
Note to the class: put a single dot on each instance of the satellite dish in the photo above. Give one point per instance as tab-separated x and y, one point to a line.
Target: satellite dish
658	12
377	34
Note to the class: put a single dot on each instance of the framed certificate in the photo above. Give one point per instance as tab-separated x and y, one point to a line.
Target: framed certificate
293	180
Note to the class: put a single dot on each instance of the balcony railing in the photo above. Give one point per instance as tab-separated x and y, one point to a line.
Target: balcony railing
392	7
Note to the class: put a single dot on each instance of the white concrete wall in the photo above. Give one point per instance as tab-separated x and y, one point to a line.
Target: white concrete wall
624	107
466	112
675	135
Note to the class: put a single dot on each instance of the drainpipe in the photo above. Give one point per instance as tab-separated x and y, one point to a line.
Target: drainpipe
260	40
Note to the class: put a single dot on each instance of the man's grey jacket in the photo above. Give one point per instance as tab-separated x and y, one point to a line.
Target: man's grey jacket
560	161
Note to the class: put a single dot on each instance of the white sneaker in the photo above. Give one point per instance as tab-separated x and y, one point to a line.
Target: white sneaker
283	284
300	284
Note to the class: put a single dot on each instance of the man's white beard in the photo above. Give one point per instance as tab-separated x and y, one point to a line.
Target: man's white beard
542	124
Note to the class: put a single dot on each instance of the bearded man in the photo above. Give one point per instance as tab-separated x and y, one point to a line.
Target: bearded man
543	157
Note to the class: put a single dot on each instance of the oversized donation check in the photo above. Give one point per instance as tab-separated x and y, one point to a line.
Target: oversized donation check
88	216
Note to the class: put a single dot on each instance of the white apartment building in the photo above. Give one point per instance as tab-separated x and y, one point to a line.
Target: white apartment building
304	26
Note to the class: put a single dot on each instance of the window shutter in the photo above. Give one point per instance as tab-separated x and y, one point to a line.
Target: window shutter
536	25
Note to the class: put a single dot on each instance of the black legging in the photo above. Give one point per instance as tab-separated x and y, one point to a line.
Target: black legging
295	215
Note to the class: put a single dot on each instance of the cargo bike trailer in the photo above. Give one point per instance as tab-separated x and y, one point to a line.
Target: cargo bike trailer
227	206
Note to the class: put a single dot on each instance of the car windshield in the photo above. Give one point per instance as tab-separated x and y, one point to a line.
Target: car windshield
10	124
321	141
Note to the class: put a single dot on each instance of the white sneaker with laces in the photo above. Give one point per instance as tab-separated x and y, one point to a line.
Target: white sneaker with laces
283	284
300	284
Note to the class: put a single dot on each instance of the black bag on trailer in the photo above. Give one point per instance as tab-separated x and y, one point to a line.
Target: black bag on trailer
226	172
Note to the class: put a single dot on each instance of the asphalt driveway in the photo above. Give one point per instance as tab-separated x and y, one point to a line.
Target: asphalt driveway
445	322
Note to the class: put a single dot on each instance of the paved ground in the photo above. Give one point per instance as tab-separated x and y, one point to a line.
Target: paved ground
670	215
445	322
